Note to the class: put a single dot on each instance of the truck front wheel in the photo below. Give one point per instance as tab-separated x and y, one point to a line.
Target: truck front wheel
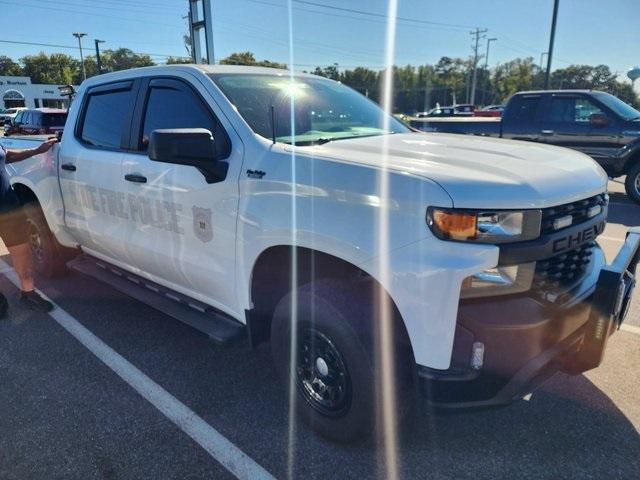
49	257
632	183
332	369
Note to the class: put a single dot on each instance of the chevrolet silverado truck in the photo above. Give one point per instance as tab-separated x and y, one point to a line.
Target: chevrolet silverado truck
251	202
592	122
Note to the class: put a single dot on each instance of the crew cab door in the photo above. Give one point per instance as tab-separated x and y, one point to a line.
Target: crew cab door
521	118
568	123
90	170
182	228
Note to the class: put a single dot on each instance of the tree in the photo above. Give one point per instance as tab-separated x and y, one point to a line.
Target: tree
512	77
9	68
247	58
57	68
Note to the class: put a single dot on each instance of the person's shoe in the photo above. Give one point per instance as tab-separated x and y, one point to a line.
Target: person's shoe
34	301
4	306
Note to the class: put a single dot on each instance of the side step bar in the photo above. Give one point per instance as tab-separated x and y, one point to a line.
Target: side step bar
219	327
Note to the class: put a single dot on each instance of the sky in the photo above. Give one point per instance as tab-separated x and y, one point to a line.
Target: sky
588	32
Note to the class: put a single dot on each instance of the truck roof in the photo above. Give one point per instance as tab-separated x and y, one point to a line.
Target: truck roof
208	69
576	90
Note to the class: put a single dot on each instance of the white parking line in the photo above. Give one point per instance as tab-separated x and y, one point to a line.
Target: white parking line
221	449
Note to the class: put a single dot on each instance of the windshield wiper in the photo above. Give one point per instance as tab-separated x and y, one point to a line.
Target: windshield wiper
316	141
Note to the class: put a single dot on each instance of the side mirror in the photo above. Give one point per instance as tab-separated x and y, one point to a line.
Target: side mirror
598	120
188	146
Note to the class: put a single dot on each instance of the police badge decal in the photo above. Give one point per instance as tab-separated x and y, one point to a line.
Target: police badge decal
202	224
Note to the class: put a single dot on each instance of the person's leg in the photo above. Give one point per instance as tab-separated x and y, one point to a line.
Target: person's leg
23	265
15	232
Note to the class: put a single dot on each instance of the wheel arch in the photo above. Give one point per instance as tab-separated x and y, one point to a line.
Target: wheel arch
271	280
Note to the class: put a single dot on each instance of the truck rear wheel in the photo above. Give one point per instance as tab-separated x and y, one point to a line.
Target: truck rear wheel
632	183
49	257
334	376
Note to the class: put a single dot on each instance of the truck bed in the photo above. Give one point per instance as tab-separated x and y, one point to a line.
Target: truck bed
23	141
484	126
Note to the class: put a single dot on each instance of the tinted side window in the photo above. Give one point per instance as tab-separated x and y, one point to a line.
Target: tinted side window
174	108
572	110
523	109
104	118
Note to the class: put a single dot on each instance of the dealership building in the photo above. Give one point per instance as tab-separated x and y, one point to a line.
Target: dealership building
20	92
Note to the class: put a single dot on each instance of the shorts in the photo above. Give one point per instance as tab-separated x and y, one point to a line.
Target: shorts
14	228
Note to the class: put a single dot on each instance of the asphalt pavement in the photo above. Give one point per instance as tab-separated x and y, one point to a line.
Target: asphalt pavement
67	411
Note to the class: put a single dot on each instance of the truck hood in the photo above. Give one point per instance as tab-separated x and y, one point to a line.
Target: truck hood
479	172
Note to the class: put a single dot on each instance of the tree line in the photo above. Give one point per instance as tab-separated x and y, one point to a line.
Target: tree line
416	88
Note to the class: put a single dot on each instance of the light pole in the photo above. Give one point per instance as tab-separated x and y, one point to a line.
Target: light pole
79	37
98	61
551	40
486	66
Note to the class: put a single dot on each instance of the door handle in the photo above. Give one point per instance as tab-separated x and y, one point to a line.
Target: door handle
547	132
132	177
68	166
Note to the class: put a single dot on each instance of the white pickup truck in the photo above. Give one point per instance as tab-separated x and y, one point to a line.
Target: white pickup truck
246	201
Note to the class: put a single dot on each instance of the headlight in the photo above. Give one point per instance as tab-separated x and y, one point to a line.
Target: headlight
504	280
484	226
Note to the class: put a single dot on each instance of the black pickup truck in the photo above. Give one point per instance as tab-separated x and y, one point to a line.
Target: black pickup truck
593	122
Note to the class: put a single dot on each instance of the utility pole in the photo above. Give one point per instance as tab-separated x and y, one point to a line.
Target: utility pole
551	41
201	21
98	61
79	37
486	68
474	80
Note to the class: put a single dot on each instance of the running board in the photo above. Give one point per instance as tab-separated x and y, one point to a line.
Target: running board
216	325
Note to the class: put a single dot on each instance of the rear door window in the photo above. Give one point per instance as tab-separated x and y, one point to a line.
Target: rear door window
106	116
523	109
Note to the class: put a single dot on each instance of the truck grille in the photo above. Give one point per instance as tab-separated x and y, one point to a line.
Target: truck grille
557	274
578	211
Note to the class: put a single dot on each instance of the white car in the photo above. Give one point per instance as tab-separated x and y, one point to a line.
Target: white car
375	259
9	114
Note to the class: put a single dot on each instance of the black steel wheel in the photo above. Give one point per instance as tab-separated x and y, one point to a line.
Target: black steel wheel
333	369
321	374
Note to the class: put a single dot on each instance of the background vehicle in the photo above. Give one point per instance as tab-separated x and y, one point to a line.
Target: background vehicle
179	180
595	123
462	110
37	121
7	116
490	111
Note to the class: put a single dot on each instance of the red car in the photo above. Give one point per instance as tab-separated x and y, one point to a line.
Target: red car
37	121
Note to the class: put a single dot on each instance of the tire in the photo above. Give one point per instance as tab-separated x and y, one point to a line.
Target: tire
632	183
49	257
335	384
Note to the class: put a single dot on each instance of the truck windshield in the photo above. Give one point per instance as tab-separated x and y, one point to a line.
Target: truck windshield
618	106
323	110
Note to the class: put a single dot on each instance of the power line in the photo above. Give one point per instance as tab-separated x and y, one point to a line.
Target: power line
70	47
381	15
22	4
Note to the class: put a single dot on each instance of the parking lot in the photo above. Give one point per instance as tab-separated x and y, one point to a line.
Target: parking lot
136	394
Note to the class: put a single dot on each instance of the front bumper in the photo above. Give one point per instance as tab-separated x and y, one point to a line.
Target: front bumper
526	342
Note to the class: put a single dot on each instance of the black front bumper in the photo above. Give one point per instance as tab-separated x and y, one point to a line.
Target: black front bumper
527	341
